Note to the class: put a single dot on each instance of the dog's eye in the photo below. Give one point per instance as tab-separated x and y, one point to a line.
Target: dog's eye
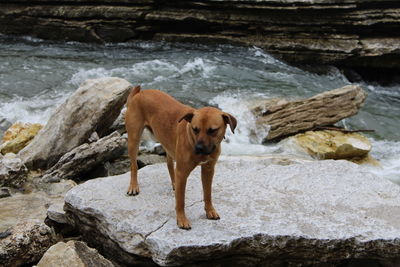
196	130
212	131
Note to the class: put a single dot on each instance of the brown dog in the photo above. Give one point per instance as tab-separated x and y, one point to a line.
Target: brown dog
190	137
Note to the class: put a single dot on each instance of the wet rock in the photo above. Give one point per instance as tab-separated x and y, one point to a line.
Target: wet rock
13	172
26	243
92	108
83	158
321	212
18	136
334	144
327	108
73	253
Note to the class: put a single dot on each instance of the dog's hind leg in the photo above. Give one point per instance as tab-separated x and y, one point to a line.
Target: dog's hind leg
170	164
134	125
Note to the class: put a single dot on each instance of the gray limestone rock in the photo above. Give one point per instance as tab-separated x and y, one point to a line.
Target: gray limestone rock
84	157
73	253
306	213
92	108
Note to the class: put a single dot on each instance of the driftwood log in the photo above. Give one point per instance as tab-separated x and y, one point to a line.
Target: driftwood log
288	118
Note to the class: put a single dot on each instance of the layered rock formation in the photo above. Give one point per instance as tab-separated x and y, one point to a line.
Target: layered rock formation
307	214
362	34
285	118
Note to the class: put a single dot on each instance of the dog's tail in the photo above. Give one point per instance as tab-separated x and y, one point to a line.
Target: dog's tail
134	91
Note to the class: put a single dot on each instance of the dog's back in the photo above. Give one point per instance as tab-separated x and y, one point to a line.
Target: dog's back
158	111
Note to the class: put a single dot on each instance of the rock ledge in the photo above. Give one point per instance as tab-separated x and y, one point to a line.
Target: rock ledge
309	213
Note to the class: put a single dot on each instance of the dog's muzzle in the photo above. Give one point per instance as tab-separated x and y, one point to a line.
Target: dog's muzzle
201	149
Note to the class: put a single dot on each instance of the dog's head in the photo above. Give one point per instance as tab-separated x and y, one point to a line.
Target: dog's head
207	128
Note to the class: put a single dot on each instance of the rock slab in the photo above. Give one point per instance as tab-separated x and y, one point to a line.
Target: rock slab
73	253
309	213
92	108
86	156
287	118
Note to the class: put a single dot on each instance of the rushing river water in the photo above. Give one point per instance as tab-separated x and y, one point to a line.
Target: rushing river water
36	76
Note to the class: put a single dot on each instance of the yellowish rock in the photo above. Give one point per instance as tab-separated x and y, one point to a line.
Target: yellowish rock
330	144
18	136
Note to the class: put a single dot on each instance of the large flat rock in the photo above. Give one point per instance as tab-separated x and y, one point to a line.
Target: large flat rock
307	213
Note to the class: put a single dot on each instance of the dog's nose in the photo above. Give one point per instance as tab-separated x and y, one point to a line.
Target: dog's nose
199	148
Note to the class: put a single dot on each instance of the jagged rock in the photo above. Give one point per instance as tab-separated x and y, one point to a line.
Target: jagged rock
83	158
92	108
13	172
5	192
18	136
321	212
73	253
56	213
327	108
25	243
329	144
353	33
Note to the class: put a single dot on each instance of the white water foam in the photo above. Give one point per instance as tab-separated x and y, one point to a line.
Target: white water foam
387	153
149	72
34	110
248	135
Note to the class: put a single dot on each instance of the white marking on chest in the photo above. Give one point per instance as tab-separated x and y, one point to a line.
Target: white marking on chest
203	162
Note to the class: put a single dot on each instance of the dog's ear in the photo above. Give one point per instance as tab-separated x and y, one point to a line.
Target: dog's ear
188	117
229	119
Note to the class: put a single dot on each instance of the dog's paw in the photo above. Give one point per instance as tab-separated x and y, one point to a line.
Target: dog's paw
212	215
184	224
133	191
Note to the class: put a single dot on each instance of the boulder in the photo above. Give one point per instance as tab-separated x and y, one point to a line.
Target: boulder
83	158
13	172
330	144
92	108
288	118
25	243
18	136
314	213
73	253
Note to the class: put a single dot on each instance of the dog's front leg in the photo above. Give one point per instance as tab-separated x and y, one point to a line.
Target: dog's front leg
207	174
181	174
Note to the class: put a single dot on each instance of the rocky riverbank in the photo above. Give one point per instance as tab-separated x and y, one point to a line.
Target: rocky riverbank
289	220
352	34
